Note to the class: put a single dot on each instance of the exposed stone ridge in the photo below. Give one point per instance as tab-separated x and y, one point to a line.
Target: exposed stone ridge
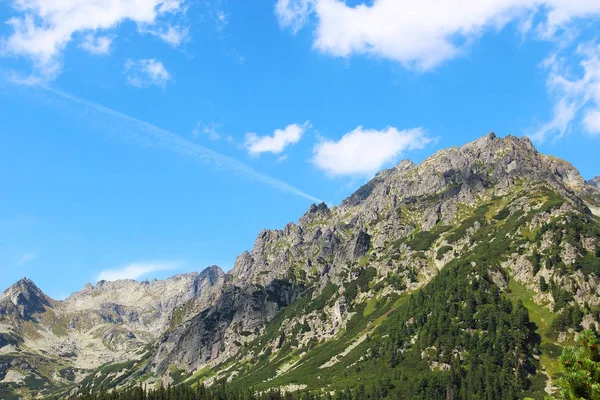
163	294
107	322
24	299
595	182
460	175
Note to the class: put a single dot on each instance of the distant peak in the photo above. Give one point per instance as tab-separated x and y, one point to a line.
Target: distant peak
26	298
595	182
212	271
23	284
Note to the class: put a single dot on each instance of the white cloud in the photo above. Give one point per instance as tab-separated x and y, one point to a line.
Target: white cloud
146	72
98	45
42	29
278	142
575	95
591	121
423	34
293	13
221	20
210	130
25	258
174	35
136	270
363	152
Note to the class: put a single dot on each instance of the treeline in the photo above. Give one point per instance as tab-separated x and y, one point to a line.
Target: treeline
224	392
181	392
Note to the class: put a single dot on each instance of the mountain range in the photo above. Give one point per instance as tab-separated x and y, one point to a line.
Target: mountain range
463	275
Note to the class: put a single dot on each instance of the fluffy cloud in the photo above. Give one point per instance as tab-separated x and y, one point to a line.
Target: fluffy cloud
363	152
278	142
146	72
575	95
423	34
136	270
42	29
98	45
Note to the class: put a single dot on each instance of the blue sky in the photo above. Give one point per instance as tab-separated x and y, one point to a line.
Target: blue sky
142	138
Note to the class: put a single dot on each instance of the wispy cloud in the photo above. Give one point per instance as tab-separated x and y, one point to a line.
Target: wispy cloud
174	35
25	258
97	45
576	94
137	270
151	135
146	72
210	130
221	20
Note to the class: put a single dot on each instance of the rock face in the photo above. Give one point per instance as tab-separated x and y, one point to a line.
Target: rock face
105	323
147	305
212	335
304	284
595	182
23	300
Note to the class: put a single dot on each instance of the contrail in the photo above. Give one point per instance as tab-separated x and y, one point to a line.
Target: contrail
154	135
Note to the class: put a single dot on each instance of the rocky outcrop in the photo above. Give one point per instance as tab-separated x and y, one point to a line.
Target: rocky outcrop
23	300
218	332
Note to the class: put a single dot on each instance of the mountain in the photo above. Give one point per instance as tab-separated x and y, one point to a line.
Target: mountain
461	276
23	300
595	182
55	343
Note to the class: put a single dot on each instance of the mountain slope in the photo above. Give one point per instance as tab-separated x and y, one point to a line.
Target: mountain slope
391	238
423	275
55	344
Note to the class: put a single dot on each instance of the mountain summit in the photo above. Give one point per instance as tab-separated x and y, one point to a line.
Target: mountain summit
463	273
23	299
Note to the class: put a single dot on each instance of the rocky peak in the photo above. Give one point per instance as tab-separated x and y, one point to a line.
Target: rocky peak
489	161
212	274
24	299
595	182
315	212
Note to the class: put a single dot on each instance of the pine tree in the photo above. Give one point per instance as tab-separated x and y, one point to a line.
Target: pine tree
581	370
